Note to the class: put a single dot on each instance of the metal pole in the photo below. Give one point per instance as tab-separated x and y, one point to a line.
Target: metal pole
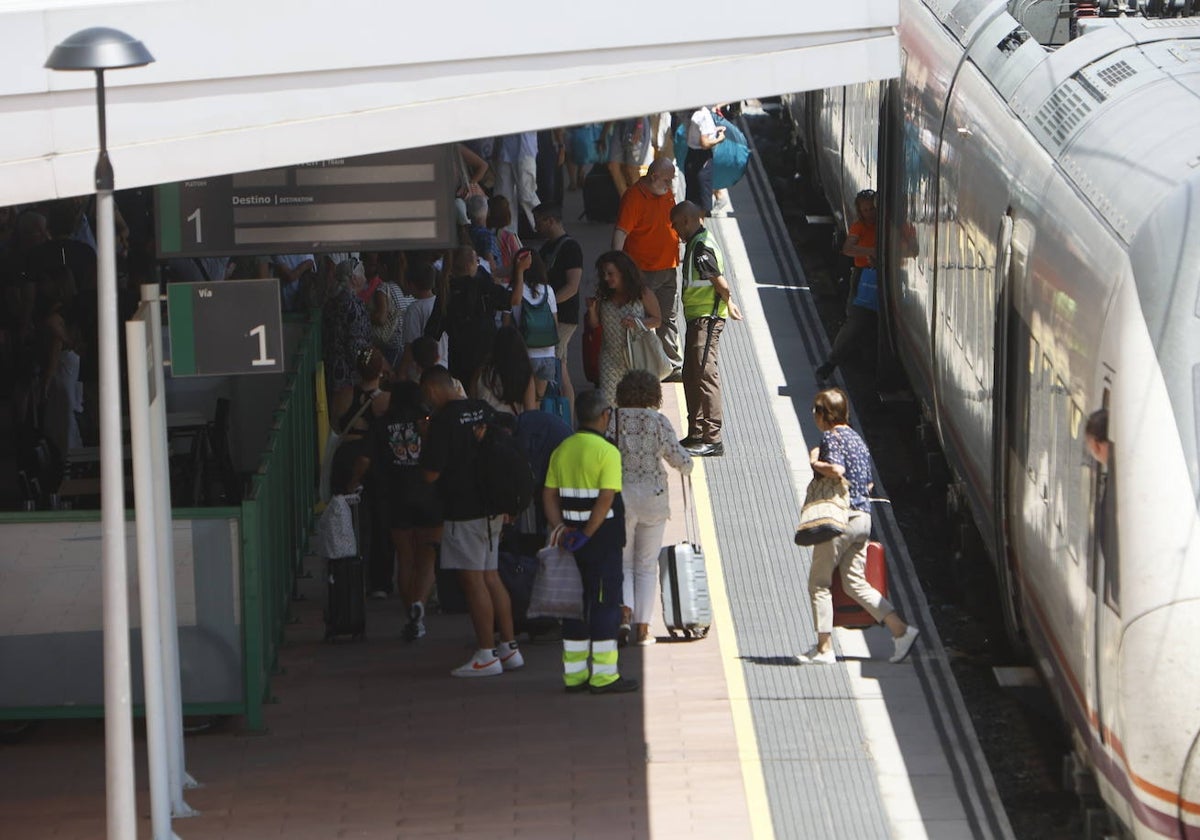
172	689
148	592
118	709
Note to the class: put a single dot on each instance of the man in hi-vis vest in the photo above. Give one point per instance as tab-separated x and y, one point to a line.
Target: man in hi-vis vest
583	493
706	305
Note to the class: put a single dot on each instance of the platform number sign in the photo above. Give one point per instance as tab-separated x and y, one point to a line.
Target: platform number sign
225	328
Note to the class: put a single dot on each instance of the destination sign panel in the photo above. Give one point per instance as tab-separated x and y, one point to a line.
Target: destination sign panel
388	201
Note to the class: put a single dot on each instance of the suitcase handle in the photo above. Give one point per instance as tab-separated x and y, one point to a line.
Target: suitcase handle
691	525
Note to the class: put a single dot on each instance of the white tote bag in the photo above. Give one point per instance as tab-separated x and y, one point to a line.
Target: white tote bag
646	351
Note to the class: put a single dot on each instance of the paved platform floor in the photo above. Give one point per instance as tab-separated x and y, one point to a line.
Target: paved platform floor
729	737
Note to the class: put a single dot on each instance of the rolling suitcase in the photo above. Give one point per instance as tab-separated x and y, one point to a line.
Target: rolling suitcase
600	197
346	609
687	605
345	572
846	611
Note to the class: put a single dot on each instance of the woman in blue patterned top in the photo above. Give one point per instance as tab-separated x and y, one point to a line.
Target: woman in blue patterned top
843	454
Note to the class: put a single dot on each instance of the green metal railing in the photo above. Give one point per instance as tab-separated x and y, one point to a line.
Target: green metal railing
276	518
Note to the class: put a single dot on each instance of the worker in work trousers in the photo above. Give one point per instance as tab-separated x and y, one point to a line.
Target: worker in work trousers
583	494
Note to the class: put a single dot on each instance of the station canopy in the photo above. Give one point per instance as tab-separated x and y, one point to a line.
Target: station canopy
242	85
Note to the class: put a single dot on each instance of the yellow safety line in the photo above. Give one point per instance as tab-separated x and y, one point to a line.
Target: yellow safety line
755	785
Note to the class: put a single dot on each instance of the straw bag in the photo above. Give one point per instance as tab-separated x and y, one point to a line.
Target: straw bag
826	511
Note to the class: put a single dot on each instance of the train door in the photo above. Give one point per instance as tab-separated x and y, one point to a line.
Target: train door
1105	583
1005	378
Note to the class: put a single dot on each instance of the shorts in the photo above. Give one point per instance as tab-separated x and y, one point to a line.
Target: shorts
472	545
545	368
412	503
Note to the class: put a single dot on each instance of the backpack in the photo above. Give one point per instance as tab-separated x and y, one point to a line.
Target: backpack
537	323
505	477
468	321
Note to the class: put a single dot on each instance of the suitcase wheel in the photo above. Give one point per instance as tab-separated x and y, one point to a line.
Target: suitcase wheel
672	633
696	631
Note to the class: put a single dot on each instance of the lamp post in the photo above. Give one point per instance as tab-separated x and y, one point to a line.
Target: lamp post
99	49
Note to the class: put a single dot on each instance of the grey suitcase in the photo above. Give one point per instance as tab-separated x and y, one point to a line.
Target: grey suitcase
687	605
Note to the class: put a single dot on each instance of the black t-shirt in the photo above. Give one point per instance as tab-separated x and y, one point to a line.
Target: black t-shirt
561	256
396	452
453	451
470	321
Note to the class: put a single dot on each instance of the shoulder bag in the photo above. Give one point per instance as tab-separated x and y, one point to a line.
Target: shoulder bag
826	511
646	351
331	447
558	587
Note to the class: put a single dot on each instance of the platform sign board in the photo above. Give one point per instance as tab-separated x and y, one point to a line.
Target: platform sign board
223	328
382	202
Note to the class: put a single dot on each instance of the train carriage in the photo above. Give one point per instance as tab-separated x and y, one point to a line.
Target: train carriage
1040	212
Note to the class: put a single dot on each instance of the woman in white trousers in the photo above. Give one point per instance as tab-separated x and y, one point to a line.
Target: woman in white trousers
646	438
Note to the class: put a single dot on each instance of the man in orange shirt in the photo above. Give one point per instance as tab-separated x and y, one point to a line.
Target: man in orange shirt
644	232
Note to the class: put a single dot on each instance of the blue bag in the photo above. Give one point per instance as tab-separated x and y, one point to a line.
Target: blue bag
867	294
730	158
553	402
582	141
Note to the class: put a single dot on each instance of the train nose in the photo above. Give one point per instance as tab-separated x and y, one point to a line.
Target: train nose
1156	734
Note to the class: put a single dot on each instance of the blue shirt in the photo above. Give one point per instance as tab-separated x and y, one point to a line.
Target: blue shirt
843	446
513	147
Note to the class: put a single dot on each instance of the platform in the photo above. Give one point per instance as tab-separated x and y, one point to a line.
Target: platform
729	738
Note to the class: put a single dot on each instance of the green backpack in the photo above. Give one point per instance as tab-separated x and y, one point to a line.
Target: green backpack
537	322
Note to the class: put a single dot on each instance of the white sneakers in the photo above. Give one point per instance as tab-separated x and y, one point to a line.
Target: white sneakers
485	663
491	663
814	657
903	646
904	643
510	656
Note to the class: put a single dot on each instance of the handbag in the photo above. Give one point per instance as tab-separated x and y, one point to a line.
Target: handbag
332	442
646	351
867	293
593	340
826	511
558	587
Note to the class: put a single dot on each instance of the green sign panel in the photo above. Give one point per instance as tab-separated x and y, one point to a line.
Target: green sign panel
224	328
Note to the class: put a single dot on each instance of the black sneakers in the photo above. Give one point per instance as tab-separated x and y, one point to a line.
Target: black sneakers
622	685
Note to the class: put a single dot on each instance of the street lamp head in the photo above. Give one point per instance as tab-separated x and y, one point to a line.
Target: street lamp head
99	48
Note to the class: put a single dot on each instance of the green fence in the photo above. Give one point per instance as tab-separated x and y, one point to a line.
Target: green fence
259	544
276	517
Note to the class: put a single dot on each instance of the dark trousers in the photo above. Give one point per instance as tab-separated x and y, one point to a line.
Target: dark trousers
702	385
856	335
698	178
603	580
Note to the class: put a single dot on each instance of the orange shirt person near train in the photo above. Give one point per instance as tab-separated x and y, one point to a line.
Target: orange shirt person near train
644	232
860	238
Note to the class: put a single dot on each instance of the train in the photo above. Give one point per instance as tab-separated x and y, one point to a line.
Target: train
1037	166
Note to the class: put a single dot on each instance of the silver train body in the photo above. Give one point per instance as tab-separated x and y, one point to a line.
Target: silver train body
1040	239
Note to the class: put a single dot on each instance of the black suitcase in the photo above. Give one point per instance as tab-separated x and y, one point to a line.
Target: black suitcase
346	607
517	572
600	199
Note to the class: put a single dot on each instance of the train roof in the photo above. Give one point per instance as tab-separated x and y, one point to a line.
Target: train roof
1111	106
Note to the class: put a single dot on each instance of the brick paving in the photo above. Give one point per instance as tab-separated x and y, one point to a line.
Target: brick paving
375	740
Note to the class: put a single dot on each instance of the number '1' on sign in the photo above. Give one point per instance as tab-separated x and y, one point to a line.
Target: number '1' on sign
224	328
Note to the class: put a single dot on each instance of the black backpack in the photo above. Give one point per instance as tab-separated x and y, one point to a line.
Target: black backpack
505	476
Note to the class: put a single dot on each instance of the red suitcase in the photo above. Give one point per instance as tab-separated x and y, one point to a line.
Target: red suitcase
846	611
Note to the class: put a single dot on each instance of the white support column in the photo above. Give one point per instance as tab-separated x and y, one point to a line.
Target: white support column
172	688
138	364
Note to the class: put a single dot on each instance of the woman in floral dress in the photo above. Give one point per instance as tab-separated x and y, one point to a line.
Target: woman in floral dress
621	300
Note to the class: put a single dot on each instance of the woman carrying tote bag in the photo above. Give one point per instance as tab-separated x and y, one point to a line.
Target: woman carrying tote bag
646	438
843	454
